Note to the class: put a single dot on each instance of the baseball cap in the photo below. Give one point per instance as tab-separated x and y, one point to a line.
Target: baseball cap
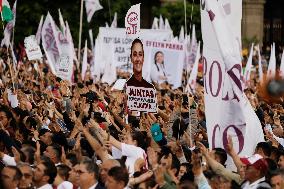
256	161
156	132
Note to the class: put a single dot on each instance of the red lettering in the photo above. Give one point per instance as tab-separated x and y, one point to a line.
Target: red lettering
219	78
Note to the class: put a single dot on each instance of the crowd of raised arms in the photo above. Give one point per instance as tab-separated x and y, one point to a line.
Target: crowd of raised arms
79	135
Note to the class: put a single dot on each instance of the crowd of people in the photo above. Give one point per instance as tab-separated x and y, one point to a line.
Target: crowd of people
80	135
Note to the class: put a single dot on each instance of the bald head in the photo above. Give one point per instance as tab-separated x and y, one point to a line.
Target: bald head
106	166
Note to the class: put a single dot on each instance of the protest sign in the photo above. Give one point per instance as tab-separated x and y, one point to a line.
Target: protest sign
132	21
174	54
141	99
32	48
233	114
118	46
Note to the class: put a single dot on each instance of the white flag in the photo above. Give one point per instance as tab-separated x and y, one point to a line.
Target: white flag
161	23
85	63
181	34
38	33
49	44
259	65
69	36
167	25
272	63
114	22
227	110
193	48
155	24
61	21
9	28
91	38
248	68
132	21
191	83
91	7
281	71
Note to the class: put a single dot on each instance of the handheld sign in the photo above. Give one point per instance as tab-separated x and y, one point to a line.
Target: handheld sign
32	48
132	21
141	99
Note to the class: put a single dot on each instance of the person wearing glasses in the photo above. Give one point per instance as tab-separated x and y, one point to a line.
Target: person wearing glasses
27	178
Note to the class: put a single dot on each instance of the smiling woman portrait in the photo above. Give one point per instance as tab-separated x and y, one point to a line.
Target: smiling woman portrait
137	59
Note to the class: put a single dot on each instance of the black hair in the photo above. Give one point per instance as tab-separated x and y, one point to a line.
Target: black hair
6	110
119	174
91	167
60	139
50	170
141	138
18	174
63	171
155	59
272	166
134	42
278	172
265	147
57	150
72	158
58	79
221	153
32	122
30	152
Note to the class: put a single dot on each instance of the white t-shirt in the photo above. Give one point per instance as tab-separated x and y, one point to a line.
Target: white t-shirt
46	186
65	185
156	74
132	153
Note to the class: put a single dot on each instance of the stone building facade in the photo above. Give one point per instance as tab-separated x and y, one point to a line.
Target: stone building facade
262	21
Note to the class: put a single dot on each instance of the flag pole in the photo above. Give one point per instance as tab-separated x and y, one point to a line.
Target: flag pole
185	21
8	60
185	29
80	32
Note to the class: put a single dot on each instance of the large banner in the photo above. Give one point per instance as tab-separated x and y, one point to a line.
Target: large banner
228	112
112	47
173	53
141	99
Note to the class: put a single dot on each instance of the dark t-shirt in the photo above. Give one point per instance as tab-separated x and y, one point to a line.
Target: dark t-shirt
136	83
